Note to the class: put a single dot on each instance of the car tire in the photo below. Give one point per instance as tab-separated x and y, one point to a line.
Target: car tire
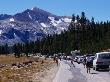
93	68
78	63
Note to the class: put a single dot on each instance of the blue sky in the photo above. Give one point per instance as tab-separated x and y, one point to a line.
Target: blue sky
99	9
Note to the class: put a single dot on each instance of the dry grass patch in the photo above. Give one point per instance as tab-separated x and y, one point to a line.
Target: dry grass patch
11	73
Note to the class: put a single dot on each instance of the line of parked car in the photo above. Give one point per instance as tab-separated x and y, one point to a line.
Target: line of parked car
98	61
80	59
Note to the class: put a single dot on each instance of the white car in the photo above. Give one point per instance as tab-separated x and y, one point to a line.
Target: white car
101	60
76	58
80	59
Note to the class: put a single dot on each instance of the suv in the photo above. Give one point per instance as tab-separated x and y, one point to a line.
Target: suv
101	60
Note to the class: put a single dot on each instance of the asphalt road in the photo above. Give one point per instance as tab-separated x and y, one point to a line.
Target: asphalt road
68	73
94	76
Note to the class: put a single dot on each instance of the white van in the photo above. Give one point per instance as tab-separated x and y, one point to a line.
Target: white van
101	60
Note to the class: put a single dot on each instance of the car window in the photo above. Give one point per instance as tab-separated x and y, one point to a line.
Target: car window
105	56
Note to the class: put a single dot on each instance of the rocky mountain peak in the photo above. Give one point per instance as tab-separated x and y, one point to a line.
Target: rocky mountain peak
30	25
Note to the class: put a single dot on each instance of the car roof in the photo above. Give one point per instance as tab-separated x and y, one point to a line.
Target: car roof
92	56
103	53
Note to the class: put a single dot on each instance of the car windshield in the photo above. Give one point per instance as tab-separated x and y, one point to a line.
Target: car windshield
105	56
78	54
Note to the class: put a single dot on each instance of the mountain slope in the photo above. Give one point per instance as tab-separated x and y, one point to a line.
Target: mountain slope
30	25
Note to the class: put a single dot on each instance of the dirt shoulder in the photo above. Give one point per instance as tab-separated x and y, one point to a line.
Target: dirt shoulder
47	75
25	69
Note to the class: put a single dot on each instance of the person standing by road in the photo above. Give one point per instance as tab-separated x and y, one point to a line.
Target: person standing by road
88	64
56	59
60	58
72	63
84	62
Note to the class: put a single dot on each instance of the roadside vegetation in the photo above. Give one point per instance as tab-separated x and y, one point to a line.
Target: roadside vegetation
22	69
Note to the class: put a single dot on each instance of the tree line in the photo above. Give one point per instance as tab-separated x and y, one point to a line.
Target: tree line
83	34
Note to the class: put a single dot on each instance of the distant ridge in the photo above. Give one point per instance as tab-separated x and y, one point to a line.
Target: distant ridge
30	25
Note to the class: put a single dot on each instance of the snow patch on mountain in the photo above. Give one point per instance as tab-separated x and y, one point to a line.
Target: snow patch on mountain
75	21
12	19
32	8
0	32
29	15
51	18
66	19
54	22
12	25
43	25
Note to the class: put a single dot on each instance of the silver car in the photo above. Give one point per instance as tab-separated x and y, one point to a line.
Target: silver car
101	60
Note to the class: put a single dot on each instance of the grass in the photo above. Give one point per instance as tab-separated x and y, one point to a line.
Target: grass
23	74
